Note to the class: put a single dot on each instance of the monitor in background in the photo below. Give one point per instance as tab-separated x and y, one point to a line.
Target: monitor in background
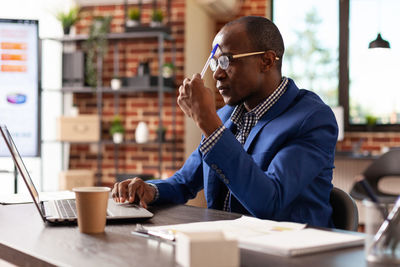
19	84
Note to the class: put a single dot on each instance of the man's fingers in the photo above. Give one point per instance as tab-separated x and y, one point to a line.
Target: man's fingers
133	187
143	203
141	194
181	90
186	81
131	192
186	87
122	190
182	102
115	192
196	76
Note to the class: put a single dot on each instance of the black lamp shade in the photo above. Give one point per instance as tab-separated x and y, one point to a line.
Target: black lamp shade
379	43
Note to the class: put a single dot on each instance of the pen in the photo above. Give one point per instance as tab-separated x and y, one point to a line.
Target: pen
164	235
208	60
388	234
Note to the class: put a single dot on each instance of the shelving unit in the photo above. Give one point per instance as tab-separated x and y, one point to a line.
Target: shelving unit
161	35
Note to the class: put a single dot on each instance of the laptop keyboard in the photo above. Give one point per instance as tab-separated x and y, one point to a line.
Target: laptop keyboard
66	208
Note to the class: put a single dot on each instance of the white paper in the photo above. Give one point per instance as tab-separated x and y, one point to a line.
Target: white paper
44	196
244	227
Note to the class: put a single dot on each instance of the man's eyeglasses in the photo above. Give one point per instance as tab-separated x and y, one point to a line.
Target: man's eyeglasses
223	61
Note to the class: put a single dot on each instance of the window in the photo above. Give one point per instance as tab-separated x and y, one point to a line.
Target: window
373	91
327	52
310	31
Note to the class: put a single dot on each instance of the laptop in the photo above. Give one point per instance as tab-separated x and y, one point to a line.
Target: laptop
63	211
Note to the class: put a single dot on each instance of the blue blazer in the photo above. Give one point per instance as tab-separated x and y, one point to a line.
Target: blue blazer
283	172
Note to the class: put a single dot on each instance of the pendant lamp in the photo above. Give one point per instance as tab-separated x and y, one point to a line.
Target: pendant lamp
379	43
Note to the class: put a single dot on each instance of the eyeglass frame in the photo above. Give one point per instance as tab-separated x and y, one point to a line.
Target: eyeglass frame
232	57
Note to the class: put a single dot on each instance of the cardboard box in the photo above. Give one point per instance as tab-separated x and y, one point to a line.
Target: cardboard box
75	178
82	128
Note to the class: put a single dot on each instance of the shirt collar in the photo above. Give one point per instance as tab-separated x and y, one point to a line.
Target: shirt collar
261	108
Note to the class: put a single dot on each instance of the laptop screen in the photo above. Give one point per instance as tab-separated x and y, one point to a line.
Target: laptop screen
19	163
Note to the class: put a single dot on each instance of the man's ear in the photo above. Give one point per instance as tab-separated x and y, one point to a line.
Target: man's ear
268	60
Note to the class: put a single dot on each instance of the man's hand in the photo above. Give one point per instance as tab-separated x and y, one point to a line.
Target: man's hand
132	190
197	102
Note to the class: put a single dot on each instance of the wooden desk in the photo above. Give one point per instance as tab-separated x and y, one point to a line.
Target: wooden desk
25	240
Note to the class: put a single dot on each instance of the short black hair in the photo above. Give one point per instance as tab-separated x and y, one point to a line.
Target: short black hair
263	34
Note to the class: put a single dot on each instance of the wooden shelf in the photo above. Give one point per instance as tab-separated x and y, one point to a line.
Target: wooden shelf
123	90
110	142
134	33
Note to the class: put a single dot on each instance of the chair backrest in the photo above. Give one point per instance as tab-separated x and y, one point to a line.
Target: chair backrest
386	165
344	210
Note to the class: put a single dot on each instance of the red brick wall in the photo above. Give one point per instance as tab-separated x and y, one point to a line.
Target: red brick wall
134	158
133	107
371	142
249	8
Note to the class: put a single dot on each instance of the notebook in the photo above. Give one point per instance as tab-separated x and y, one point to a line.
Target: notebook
305	241
271	237
63	211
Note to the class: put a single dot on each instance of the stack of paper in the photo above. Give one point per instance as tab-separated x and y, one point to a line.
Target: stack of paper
301	242
279	238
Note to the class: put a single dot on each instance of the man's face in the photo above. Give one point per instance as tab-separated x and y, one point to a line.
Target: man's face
242	80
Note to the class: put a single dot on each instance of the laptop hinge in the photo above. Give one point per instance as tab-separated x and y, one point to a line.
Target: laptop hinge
43	208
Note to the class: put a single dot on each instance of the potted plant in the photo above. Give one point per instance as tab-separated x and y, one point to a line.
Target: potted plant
68	19
133	17
168	70
156	18
161	131
96	47
370	121
117	129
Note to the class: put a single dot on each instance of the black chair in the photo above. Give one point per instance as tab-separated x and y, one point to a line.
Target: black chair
344	210
386	165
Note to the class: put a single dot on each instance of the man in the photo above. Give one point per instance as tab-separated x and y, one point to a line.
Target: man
269	152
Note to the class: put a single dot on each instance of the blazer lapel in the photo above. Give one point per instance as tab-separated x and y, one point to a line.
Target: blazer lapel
226	118
281	105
